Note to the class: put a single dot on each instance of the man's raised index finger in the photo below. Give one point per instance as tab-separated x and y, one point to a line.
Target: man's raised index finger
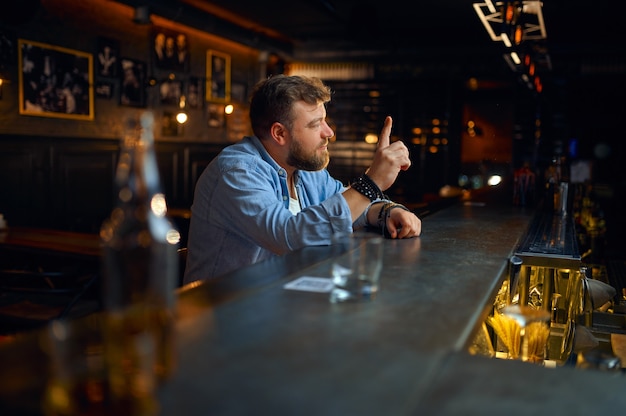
383	140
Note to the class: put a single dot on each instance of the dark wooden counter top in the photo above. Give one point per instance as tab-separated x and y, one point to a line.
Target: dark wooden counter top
295	353
248	346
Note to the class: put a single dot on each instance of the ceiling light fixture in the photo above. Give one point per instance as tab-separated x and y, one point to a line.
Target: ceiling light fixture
519	25
520	20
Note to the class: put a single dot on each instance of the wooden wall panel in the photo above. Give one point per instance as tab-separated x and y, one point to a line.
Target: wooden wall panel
84	183
21	187
170	159
69	184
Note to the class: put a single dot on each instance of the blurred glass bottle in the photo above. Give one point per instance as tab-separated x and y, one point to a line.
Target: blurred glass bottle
140	270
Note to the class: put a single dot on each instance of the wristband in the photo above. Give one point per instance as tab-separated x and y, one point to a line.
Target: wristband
384	213
366	186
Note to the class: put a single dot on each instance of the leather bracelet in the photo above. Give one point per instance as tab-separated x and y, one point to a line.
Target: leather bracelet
384	213
385	210
366	186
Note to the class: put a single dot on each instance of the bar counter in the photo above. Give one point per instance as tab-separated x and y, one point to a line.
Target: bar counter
246	345
41	240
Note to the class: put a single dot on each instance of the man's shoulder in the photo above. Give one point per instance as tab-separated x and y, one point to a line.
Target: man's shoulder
243	148
247	145
244	154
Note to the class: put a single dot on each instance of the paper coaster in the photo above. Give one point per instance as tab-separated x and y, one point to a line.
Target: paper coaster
311	284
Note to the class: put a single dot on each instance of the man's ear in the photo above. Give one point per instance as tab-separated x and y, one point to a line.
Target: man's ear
279	133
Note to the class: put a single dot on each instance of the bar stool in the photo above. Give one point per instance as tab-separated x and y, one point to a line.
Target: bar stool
32	298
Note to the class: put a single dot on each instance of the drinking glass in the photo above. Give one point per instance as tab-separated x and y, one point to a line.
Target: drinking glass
356	272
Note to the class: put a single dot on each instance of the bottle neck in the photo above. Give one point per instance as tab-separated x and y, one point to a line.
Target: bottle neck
137	176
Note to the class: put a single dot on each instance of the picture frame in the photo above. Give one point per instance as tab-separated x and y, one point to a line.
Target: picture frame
215	115
55	81
170	92
7	54
170	50
105	89
218	76
7	49
132	82
107	57
194	96
169	126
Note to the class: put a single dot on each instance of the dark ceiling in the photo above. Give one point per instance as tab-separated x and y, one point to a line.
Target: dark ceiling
388	25
348	26
584	44
579	32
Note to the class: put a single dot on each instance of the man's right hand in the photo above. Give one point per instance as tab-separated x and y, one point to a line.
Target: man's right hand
389	159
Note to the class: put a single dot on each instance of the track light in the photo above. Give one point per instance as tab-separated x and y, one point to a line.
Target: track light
520	20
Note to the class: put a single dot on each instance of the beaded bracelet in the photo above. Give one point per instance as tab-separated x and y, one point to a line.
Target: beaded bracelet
366	186
383	216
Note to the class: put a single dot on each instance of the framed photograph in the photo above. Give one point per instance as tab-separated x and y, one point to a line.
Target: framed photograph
133	82
107	58
194	96
104	89
55	81
218	76
169	125
170	92
7	49
170	50
215	115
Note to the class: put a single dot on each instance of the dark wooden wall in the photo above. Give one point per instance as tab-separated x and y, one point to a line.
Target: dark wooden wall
68	184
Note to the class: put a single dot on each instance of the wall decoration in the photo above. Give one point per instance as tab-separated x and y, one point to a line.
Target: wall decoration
107	58
169	125
215	113
7	55
55	81
194	96
7	49
104	89
218	76
133	82
170	50
170	92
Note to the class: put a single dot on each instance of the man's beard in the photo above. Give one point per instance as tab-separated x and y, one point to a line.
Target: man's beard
302	161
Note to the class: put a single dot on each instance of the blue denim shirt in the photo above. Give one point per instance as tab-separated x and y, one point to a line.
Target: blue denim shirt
240	213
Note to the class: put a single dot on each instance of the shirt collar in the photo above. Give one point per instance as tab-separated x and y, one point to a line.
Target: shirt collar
266	157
